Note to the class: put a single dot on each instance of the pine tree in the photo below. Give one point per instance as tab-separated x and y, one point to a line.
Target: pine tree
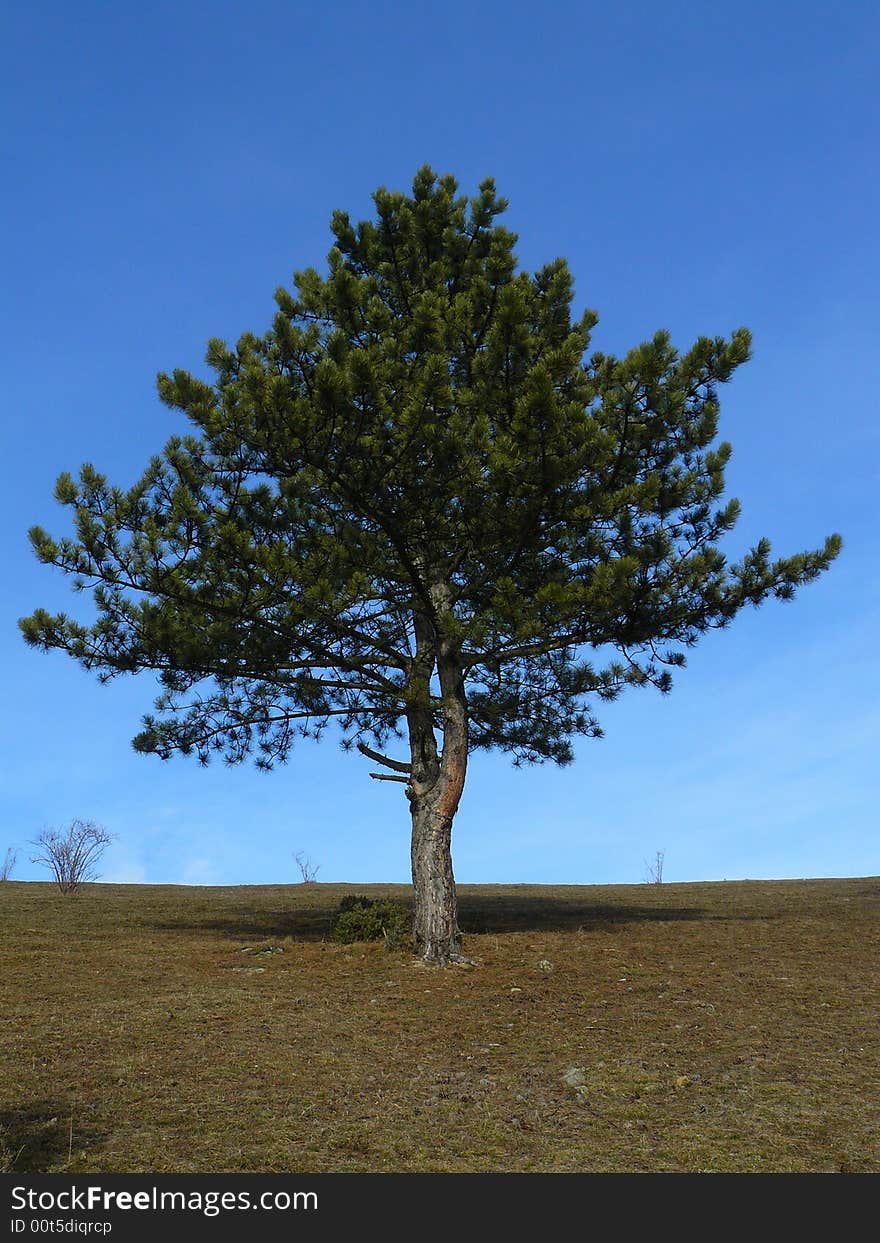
419	508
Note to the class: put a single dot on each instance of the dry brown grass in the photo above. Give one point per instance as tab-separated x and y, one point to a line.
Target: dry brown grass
719	1027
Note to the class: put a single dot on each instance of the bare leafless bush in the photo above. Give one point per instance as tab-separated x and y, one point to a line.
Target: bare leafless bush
72	854
8	863
654	871
307	869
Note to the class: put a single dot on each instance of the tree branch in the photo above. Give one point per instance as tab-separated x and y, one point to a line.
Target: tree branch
389	777
378	758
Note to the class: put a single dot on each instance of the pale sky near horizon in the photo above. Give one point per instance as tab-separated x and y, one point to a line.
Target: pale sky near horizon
701	166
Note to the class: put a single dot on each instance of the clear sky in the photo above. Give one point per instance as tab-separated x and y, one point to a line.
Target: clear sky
701	165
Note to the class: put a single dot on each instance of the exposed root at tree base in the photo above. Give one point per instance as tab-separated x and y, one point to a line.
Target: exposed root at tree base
447	960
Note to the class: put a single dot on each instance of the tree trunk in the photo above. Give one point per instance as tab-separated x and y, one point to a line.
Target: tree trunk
434	791
437	937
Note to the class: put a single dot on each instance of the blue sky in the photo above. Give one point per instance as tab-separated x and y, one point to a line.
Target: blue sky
700	165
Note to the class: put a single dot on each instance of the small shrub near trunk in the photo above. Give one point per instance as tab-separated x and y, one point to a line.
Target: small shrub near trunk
365	919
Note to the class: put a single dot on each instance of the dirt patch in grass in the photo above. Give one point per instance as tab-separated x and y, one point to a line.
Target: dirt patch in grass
727	1027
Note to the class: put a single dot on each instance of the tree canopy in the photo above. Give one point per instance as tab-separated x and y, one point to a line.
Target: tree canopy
418	504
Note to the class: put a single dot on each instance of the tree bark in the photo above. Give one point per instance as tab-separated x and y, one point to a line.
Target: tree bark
434	791
435	929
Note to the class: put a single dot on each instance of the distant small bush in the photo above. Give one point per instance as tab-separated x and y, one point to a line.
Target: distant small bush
365	919
308	870
71	854
8	863
654	871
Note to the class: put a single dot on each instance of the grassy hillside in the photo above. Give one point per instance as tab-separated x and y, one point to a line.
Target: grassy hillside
722	1026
